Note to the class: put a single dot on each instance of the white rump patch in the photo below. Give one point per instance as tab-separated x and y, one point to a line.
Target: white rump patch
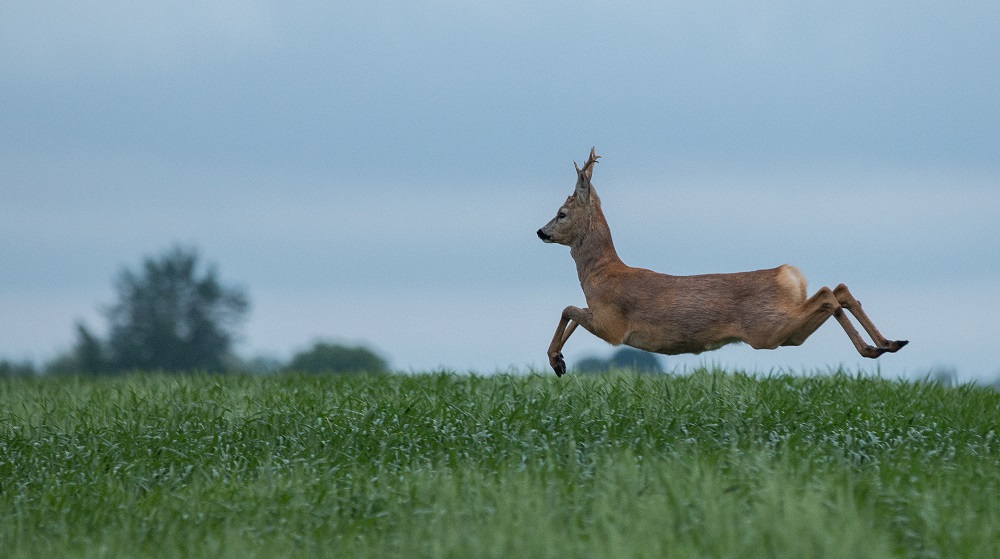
792	279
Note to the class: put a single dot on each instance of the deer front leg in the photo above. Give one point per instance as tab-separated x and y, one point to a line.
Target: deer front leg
571	318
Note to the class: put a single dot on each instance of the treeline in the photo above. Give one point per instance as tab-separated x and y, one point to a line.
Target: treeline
623	358
170	316
322	357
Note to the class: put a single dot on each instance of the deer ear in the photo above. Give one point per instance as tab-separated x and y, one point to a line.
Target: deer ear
582	193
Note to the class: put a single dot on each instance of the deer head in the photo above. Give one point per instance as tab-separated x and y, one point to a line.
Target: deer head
573	218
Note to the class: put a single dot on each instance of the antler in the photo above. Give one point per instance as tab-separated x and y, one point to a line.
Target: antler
588	168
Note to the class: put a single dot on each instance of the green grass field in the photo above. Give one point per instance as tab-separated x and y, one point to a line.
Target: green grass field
710	464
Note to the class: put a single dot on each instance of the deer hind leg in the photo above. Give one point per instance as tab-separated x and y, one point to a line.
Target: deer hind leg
814	312
571	318
847	301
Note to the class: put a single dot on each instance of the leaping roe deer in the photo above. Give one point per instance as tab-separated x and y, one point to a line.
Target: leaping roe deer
687	314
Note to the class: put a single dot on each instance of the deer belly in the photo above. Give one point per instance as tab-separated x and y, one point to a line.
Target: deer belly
675	345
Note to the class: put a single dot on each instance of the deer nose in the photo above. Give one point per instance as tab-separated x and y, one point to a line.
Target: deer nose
542	235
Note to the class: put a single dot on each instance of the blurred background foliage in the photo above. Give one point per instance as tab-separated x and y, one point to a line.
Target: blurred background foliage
175	315
623	358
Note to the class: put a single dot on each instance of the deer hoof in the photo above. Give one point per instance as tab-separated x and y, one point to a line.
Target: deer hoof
893	347
558	364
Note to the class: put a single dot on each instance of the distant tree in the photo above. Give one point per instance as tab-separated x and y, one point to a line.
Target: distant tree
89	352
87	357
168	317
623	358
590	365
335	358
945	376
642	361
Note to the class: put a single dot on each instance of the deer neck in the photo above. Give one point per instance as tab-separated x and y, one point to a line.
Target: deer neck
594	252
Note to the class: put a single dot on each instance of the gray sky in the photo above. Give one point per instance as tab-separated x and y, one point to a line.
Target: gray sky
375	172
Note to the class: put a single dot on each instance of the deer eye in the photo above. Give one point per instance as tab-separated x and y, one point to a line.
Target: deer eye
561	215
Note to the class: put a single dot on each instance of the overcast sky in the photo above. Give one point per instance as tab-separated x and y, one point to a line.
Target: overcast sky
375	172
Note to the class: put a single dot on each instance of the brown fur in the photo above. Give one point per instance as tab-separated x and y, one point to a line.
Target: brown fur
686	314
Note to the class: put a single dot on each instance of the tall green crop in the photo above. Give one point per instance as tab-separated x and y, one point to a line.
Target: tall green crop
711	464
